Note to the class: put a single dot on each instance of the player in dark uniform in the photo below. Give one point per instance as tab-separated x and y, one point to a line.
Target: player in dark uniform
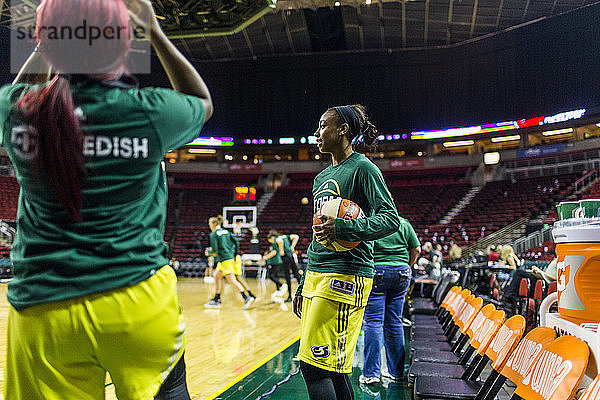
223	247
285	245
92	289
334	290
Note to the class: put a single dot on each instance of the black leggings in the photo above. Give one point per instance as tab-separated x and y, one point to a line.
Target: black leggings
174	387
272	273
326	385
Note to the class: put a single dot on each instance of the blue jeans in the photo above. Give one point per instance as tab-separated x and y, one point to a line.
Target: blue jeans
383	317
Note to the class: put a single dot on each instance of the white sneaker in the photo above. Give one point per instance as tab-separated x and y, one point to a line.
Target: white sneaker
213	304
370	380
387	375
283	289
248	302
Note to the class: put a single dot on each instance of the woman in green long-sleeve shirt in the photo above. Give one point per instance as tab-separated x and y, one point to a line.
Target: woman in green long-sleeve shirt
334	290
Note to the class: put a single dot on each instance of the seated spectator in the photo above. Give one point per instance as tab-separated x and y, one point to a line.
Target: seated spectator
508	257
548	274
430	263
493	256
455	252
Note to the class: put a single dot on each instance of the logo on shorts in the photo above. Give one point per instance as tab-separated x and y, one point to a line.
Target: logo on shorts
344	287
320	351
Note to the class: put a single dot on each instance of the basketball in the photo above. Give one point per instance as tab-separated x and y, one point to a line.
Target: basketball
339	208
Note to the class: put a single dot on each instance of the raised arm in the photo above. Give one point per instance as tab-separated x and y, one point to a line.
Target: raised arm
30	71
294	241
183	76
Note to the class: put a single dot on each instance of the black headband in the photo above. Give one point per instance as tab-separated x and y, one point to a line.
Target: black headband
349	116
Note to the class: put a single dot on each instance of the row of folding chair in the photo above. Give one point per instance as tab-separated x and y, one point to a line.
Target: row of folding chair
450	350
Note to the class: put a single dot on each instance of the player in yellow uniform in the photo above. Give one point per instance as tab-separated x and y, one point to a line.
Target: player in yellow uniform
92	289
334	290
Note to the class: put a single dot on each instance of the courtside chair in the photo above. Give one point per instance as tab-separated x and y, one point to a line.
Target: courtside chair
497	352
454	309
464	350
481	341
556	373
519	362
593	390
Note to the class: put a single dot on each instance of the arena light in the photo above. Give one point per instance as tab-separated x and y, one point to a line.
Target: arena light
506	138
491	158
202	151
212	141
287	140
312	140
459	143
557	132
564	116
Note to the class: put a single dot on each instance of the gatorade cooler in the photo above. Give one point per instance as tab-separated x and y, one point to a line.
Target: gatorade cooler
578	269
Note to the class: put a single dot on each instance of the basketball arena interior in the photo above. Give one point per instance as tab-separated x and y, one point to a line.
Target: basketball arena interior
488	113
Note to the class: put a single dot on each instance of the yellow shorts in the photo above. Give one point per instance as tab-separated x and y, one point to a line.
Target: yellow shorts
333	307
62	350
237	265
226	267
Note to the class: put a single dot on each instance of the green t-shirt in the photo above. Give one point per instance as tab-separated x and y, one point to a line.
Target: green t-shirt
393	249
276	259
224	244
359	180
120	242
287	245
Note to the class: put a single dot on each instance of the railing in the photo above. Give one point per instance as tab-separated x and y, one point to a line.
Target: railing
534	239
586	179
496	237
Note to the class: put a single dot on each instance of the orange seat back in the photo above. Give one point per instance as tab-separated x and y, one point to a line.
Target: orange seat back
557	372
593	391
505	341
527	352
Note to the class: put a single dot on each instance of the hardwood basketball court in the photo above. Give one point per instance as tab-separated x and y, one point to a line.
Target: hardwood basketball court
223	344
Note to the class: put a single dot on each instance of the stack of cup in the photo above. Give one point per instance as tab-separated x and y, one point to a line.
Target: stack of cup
565	209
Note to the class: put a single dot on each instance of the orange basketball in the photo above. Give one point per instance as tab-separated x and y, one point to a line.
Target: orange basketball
339	208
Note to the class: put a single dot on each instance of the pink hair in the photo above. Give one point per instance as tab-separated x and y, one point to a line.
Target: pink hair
50	111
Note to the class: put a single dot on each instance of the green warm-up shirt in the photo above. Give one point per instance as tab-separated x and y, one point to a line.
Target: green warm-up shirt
393	249
276	259
287	244
359	180
120	242
223	244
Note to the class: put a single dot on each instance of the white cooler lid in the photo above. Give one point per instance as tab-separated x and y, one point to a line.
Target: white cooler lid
580	231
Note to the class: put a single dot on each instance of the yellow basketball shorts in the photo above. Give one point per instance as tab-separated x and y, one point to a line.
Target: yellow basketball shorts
226	267
237	265
62	350
333	307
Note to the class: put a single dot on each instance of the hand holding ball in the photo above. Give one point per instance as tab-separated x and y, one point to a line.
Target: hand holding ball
324	223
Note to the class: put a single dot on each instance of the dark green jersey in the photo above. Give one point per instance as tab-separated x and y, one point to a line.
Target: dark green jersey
359	180
287	245
224	244
120	242
393	249
276	259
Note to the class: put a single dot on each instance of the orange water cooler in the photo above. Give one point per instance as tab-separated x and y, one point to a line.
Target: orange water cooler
578	269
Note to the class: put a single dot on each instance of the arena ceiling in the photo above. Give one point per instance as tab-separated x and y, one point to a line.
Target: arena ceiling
237	29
